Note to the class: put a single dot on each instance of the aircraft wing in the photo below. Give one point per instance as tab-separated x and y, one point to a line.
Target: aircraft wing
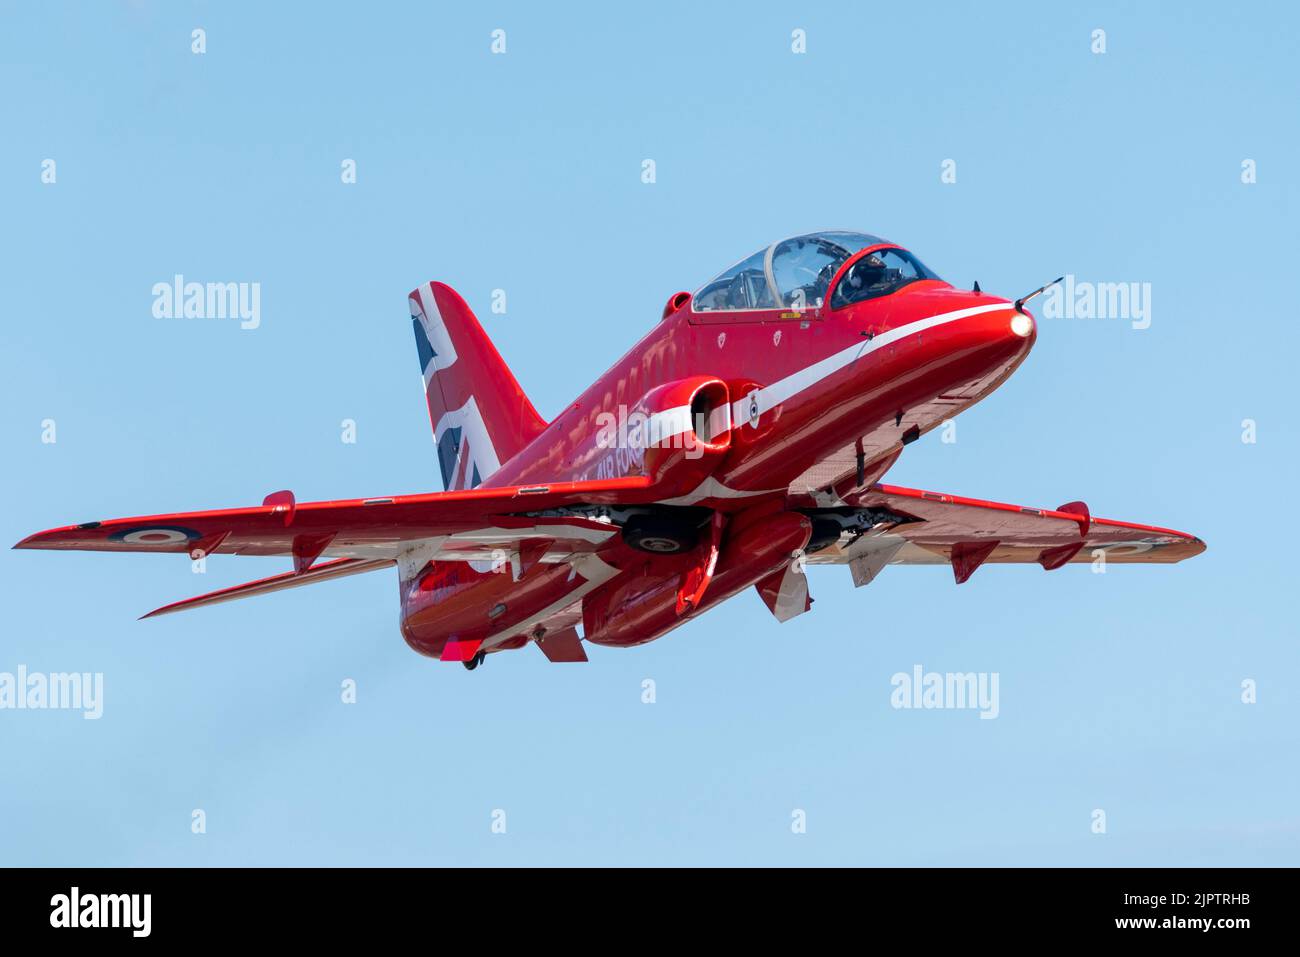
966	532
470	523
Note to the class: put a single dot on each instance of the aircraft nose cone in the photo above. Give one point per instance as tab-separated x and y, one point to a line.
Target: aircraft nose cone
1015	331
1022	325
1000	328
1006	330
997	341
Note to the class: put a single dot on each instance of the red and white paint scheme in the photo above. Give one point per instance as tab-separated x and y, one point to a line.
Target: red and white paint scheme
742	441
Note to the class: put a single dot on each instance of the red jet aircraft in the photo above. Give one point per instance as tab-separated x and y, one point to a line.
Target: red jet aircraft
741	440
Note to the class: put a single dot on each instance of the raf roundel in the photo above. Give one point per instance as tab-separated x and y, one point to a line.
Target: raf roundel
162	535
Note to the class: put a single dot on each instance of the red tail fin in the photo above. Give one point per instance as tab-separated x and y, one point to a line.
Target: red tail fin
480	415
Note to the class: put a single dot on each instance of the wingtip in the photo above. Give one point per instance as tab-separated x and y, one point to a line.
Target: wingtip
36	539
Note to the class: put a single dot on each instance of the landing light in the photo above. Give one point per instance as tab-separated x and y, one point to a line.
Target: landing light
1022	325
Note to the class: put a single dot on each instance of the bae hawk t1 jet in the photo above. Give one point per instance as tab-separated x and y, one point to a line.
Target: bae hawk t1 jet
741	442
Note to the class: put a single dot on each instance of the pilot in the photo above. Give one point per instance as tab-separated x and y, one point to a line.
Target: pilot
815	292
866	272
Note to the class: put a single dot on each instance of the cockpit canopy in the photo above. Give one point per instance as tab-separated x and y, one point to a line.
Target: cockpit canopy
795	273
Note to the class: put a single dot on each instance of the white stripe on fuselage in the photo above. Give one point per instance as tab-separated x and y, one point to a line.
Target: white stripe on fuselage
770	396
667	424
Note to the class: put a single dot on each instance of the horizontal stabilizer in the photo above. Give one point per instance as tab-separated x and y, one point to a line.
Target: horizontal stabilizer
341	568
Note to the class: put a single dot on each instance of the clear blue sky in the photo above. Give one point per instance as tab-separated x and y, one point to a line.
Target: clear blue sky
522	172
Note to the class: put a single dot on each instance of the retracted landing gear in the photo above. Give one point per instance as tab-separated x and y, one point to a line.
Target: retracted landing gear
474	662
664	533
658	529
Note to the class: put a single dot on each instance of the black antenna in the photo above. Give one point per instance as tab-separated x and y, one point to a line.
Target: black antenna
1020	303
976	287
